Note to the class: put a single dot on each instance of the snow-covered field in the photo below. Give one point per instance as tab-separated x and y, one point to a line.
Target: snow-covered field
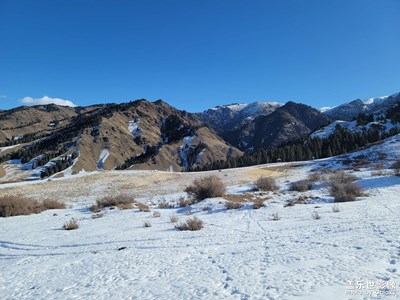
239	254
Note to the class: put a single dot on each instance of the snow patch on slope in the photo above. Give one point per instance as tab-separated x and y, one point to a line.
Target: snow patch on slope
103	157
134	128
184	151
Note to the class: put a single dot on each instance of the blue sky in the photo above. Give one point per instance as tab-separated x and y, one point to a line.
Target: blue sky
198	54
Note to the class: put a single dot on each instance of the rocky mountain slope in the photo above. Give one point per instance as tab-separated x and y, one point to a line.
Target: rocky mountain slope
233	116
288	122
43	140
350	110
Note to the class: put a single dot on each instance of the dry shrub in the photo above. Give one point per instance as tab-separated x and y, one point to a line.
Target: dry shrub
188	212
71	224
156	214
146	224
183	202
258	203
275	217
301	185
53	204
266	184
290	204
207	208
316	215
143	207
173	219
346	192
396	167
97	216
18	205
233	205
343	188
379	166
121	201
192	224
164	204
314	177
335	208
206	187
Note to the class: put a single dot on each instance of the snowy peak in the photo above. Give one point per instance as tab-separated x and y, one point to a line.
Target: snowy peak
235	115
351	109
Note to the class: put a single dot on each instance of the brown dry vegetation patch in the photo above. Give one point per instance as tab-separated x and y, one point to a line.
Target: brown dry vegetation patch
243	198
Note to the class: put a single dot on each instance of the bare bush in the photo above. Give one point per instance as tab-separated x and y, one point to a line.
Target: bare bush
173	219
146	224
71	224
314	177
396	167
143	207
343	188
156	214
301	185
335	208
121	201
164	204
233	205
192	224
316	215
183	202
206	187
188	212
275	216
18	205
53	204
266	184
258	203
207	208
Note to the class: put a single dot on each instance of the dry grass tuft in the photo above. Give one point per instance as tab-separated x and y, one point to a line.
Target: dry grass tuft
188	212
233	205
120	201
316	215
207	208
18	205
164	204
343	188
146	224
258	203
266	184
156	214
396	167
183	202
335	208
275	217
71	224
301	185
192	224
173	219
53	204
206	187
143	207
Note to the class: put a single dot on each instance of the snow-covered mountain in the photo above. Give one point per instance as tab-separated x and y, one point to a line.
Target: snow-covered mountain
233	116
351	109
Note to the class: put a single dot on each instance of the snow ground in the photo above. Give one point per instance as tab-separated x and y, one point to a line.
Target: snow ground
239	254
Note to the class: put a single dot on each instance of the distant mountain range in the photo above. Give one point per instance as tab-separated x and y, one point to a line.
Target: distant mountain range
51	140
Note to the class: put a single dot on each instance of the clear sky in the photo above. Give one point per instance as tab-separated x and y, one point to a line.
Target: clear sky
197	54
